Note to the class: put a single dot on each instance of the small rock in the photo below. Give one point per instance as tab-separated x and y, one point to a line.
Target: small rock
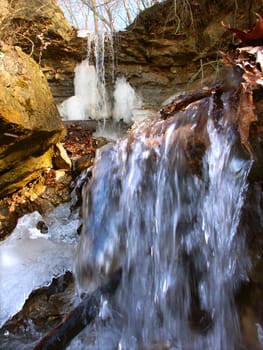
42	227
61	159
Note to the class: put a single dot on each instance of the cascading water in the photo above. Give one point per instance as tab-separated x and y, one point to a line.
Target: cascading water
125	101
164	204
91	99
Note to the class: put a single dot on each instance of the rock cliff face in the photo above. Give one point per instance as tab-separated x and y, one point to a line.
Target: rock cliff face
167	50
170	48
30	124
23	21
35	26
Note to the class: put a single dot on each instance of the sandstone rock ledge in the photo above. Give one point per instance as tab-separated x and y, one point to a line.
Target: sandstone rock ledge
30	123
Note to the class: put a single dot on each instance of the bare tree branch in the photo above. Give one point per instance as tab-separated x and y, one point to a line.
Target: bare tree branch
112	14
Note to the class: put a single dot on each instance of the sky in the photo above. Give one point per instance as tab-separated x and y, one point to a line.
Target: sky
80	16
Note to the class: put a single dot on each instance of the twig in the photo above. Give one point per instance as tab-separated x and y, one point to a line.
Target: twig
86	312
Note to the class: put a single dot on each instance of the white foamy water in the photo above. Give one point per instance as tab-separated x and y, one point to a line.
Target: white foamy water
90	100
30	259
171	224
125	101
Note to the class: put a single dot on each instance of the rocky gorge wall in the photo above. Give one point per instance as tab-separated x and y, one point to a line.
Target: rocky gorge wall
166	50
171	48
30	122
31	127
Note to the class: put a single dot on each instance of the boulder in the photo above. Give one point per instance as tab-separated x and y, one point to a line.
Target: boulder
30	123
41	30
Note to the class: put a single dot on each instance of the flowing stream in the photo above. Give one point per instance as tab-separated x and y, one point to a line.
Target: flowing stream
164	204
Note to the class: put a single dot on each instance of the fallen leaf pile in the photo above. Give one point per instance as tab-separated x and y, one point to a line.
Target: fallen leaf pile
249	58
79	142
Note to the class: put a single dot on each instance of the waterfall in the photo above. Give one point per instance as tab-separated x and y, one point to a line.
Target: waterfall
125	101
164	204
91	99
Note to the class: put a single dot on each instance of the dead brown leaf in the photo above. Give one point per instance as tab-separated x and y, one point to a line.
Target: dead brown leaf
256	33
245	116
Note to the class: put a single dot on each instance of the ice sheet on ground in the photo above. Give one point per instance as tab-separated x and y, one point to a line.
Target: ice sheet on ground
30	259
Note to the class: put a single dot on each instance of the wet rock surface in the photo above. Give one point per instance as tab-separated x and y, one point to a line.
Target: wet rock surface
43	310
